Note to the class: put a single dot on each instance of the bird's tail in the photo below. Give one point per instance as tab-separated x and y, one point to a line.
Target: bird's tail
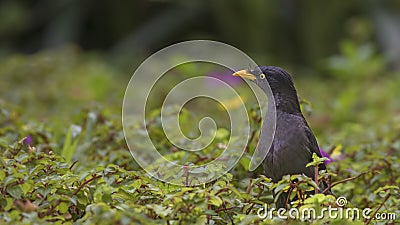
281	201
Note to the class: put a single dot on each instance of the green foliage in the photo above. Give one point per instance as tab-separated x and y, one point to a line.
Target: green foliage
40	186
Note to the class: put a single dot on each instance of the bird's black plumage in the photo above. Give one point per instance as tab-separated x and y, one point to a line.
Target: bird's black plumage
294	143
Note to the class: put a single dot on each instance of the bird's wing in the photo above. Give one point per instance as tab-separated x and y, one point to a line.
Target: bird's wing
313	146
291	149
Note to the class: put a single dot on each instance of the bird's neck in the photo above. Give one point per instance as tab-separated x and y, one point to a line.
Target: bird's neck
287	103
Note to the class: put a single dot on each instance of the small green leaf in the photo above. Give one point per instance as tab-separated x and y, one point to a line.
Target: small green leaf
44	191
62	207
221	134
10	204
316	160
160	210
8	180
15	191
215	200
15	215
69	146
27	186
2	175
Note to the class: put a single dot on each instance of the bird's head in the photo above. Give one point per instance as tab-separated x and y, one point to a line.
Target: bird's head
279	81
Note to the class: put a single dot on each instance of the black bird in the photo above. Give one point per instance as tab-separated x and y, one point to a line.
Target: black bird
294	143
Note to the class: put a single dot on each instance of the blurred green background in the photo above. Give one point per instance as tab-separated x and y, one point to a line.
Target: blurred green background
57	57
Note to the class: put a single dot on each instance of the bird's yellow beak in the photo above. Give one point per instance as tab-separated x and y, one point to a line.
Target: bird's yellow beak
244	74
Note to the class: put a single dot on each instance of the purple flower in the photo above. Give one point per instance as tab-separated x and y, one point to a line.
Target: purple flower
225	76
28	140
324	154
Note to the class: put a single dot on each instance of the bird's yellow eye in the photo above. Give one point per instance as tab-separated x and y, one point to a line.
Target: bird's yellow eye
262	76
